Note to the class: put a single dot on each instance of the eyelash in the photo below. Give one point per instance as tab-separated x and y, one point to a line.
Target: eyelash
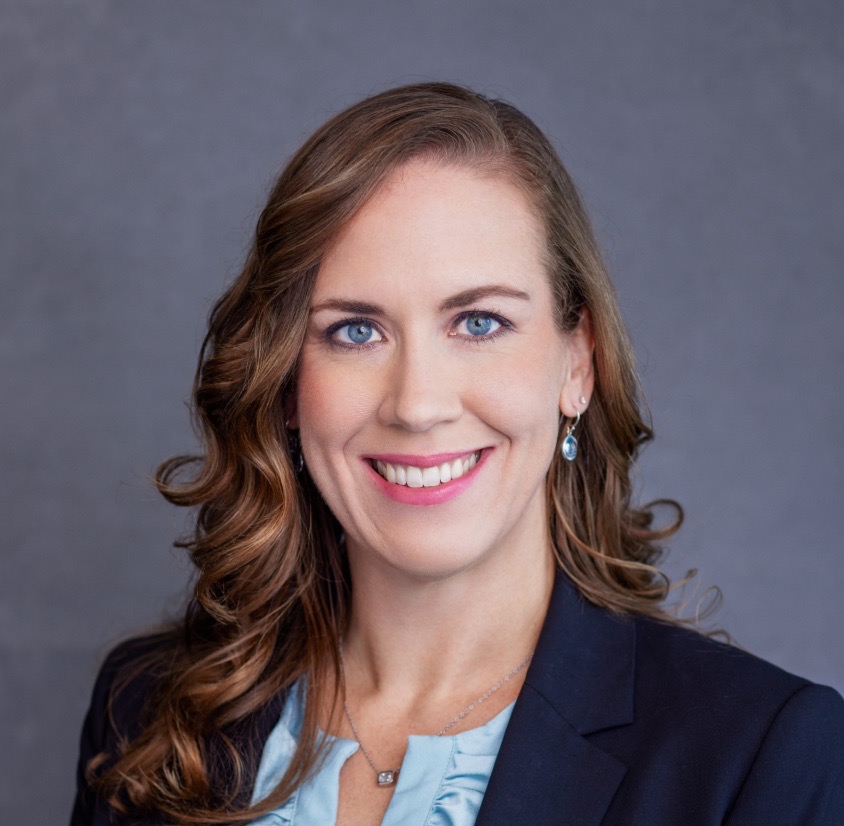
504	328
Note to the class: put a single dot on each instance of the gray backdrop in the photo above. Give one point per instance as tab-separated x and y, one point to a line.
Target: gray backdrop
137	140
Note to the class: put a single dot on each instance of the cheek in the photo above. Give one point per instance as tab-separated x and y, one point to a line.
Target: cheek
330	405
521	394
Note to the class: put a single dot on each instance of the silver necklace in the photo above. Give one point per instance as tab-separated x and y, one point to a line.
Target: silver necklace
387	777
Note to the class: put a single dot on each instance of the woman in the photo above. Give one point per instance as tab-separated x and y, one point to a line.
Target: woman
424	594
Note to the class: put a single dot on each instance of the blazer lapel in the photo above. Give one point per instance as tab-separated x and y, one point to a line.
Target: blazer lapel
580	681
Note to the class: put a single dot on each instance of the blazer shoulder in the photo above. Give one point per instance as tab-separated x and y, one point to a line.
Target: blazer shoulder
684	658
736	738
808	732
122	688
690	680
126	681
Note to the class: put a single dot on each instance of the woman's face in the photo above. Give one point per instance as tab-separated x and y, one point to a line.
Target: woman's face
433	374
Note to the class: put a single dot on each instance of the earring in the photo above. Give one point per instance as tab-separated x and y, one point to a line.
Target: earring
294	444
569	445
583	399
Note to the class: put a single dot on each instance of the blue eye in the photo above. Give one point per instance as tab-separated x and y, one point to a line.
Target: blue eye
357	332
479	324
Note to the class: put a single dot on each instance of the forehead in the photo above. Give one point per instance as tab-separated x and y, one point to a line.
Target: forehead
431	228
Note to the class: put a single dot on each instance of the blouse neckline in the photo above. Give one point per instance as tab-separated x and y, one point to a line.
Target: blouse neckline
442	778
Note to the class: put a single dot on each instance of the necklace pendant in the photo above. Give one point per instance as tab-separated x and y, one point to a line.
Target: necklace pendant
387	778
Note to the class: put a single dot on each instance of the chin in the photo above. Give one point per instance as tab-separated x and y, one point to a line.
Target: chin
432	559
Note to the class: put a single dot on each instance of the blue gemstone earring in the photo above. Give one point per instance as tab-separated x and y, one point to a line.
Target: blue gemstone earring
569	445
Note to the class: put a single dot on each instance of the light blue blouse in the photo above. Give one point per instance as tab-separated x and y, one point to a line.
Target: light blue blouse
441	783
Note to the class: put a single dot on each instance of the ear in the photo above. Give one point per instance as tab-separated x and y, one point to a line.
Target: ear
580	368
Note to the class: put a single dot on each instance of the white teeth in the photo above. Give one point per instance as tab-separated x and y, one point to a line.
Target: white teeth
429	477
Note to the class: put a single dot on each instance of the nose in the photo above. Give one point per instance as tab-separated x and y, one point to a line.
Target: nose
422	389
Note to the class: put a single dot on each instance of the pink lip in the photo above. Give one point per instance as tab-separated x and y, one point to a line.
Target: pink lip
424	496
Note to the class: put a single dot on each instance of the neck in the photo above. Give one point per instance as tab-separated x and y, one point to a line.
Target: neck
417	637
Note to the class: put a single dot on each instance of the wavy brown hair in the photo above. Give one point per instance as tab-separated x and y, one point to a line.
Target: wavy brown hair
272	589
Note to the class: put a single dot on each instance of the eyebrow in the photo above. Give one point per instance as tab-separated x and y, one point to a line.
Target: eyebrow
479	293
345	305
452	303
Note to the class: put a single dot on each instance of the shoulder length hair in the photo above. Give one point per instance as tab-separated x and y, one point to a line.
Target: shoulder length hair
272	588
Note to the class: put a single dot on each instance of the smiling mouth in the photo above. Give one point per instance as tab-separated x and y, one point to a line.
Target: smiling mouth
427	477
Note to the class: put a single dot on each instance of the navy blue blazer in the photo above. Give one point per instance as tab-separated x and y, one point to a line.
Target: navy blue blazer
621	720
